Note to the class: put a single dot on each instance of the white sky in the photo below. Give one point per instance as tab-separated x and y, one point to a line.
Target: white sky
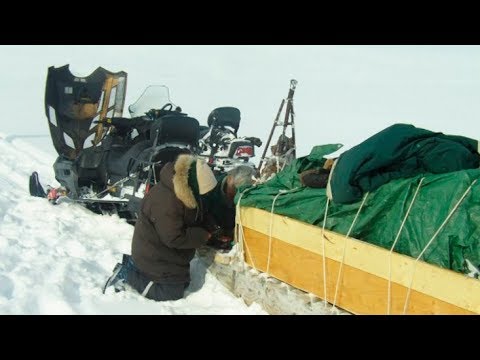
345	93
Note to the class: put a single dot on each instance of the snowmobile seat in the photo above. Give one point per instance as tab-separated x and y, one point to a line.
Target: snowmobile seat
176	129
169	154
225	116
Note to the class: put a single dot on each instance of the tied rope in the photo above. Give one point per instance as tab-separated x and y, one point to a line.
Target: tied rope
407	298
389	294
344	251
240	232
323	253
280	192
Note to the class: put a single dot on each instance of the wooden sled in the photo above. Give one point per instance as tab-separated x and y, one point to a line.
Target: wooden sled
296	258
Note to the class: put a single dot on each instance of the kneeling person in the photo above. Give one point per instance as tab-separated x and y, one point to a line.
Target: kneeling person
169	228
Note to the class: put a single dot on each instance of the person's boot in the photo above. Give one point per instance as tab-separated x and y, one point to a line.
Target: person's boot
117	279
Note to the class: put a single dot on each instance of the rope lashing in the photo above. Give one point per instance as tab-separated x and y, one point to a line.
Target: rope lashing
280	192
345	248
389	296
323	253
240	232
407	298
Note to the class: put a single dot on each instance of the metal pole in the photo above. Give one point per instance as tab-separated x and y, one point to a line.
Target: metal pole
291	92
270	136
292	115
288	113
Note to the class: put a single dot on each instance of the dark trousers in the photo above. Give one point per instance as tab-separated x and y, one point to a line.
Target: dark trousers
158	291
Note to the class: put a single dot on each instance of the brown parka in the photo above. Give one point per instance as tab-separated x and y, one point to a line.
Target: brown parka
168	230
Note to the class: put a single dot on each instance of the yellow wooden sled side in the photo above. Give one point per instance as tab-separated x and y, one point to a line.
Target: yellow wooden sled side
297	259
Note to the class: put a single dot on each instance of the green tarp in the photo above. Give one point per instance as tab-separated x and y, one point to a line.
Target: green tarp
399	151
384	210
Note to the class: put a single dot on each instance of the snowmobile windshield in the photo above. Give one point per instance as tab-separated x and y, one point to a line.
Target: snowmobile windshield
154	97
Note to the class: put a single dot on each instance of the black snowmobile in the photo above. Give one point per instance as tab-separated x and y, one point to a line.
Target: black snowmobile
107	161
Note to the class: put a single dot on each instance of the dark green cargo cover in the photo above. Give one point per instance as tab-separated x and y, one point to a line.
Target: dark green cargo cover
399	151
384	210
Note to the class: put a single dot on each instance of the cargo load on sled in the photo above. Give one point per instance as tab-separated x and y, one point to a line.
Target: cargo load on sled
407	242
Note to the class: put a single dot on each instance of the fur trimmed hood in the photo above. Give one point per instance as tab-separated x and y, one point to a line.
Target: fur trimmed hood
180	181
192	177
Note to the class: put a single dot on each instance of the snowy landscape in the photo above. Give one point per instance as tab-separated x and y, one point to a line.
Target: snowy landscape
55	259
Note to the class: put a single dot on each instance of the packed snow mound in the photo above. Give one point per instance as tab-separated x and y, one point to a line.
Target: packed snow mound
55	259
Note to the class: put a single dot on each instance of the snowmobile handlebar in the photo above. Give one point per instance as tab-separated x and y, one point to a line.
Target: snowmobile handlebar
254	140
152	114
165	110
120	122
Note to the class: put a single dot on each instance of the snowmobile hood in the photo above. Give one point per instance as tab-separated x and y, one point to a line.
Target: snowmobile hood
73	103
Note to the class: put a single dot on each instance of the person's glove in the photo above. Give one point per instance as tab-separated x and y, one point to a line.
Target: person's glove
211	226
222	242
215	232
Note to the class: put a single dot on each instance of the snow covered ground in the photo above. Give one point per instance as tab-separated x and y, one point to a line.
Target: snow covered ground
55	259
